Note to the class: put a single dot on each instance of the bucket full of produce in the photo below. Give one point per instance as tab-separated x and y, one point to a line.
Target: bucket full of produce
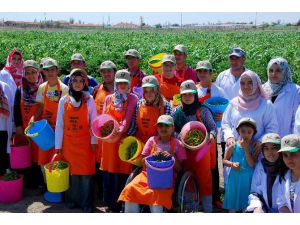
159	171
57	175
217	105
155	63
105	128
11	187
20	154
130	150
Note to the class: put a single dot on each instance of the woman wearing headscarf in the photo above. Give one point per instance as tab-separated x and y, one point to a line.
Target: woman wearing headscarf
120	105
251	102
148	109
73	139
24	108
192	110
284	94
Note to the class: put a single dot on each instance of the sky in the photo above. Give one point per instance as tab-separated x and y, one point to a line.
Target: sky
155	18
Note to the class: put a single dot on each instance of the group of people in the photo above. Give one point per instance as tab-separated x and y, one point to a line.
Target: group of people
259	134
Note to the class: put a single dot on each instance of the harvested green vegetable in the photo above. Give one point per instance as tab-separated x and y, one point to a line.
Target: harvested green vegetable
11	176
131	150
217	103
194	138
107	128
58	165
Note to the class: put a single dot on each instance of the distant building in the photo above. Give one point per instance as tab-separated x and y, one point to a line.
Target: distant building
126	25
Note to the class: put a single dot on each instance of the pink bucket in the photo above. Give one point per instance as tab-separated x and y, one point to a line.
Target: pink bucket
98	123
20	157
11	191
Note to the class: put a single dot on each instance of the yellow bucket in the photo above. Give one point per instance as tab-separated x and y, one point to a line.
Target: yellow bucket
176	100
136	159
155	63
57	180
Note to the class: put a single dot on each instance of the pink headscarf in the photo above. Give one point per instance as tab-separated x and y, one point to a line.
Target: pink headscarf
250	102
16	73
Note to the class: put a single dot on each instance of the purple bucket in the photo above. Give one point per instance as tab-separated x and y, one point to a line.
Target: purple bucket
159	174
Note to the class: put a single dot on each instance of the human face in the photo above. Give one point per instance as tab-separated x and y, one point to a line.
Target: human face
246	86
149	94
51	73
246	132
78	83
204	75
168	69
188	98
31	74
132	62
236	63
122	87
270	152
77	64
180	57
108	75
16	60
164	130
275	75
292	160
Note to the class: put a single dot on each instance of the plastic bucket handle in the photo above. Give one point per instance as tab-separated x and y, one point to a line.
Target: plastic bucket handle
159	169
32	135
52	161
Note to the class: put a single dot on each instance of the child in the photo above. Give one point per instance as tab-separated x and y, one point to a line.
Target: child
192	110
264	184
239	158
48	96
288	198
6	102
148	109
183	71
133	59
168	83
78	62
206	89
73	138
137	191
120	105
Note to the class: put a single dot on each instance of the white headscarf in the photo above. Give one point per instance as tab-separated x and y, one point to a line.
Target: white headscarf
274	89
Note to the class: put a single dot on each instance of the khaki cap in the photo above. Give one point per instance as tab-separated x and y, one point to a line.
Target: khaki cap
107	65
271	138
180	48
169	58
49	62
290	143
204	65
77	56
188	86
149	81
165	119
133	53
31	63
122	76
246	120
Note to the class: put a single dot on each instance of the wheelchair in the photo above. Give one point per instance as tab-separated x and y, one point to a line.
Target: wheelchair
185	198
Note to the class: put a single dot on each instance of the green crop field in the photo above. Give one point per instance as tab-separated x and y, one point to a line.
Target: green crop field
110	45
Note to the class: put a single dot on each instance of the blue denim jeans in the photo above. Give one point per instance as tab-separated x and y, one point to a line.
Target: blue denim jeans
131	207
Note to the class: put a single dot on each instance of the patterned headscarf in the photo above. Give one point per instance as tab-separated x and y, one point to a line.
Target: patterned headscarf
274	89
120	99
16	73
29	90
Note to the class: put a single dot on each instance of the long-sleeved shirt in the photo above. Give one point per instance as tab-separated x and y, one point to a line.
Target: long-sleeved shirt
133	126
17	108
264	115
297	122
6	77
59	129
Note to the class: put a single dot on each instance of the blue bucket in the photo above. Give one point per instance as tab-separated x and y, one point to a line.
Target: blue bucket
217	108
42	134
159	174
53	197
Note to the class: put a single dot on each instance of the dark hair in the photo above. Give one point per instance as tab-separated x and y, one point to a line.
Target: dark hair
248	125
282	168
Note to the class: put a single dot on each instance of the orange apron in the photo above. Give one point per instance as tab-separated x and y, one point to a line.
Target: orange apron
208	93
99	102
168	90
146	120
137	190
27	112
49	113
202	168
76	147
110	160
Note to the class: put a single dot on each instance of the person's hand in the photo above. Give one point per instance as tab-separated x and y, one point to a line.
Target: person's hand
218	116
121	129
31	121
211	138
93	147
230	142
166	154
245	143
156	154
236	166
258	210
58	151
256	150
19	130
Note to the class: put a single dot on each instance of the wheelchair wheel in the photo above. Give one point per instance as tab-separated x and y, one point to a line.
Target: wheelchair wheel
188	194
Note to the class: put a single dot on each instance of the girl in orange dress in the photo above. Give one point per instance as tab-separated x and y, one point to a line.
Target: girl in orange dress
137	191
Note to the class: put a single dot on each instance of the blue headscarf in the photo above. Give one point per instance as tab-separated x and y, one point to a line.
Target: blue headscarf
274	89
120	99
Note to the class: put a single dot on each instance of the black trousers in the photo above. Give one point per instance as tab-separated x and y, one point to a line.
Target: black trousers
98	183
4	157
